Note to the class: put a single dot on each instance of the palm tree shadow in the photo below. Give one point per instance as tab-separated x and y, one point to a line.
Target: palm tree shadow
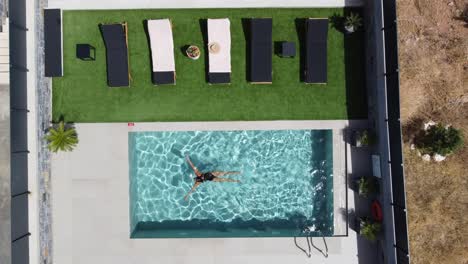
337	21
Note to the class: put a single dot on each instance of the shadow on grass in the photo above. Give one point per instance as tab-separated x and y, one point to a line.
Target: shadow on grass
412	129
337	22
277	48
356	93
463	16
183	50
204	31
59	119
246	30
300	30
148	42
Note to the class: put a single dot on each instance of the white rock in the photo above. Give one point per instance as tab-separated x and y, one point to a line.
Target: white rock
428	125
412	147
439	158
426	157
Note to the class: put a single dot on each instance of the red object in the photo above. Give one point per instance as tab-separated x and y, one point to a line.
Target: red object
130	124
377	211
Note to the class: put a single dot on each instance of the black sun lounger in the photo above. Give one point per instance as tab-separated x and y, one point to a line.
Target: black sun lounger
53	43
261	50
219	77
316	50
115	40
166	77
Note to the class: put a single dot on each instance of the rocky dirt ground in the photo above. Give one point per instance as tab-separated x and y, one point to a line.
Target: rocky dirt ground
433	46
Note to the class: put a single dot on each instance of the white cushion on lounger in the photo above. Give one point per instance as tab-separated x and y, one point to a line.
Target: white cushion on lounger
162	45
219	32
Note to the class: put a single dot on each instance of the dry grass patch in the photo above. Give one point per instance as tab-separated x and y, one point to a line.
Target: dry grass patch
433	57
437	206
434	76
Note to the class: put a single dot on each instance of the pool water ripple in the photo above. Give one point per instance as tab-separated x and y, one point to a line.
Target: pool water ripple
284	174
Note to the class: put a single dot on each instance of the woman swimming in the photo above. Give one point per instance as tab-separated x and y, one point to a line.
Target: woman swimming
208	176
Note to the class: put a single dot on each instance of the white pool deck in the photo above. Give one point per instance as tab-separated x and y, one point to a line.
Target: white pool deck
149	4
90	203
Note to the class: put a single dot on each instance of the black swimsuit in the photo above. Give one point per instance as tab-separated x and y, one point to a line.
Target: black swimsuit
208	176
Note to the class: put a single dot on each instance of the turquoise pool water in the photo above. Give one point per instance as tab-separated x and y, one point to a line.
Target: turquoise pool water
286	183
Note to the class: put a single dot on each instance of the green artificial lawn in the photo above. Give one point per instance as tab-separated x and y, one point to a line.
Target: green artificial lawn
82	94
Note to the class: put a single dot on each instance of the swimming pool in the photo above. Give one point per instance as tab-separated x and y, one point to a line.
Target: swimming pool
286	183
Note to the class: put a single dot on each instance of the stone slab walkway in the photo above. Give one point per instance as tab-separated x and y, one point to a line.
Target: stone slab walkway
230	125
5	182
90	202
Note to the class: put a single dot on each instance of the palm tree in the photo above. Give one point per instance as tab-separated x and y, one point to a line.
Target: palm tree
62	138
369	230
352	22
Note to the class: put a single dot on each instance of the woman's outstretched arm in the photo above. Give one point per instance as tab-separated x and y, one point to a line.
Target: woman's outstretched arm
197	172
224	180
222	173
191	191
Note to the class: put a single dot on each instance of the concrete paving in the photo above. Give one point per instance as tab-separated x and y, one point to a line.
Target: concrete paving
37	106
90	202
142	4
231	125
5	194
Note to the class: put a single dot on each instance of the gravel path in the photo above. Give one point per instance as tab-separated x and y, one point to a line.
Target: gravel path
44	112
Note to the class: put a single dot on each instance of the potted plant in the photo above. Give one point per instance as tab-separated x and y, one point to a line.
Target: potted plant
369	229
363	138
366	186
193	52
62	137
352	22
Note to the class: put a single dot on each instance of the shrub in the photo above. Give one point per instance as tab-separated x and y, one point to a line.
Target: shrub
364	138
366	186
439	139
62	138
367	138
369	230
